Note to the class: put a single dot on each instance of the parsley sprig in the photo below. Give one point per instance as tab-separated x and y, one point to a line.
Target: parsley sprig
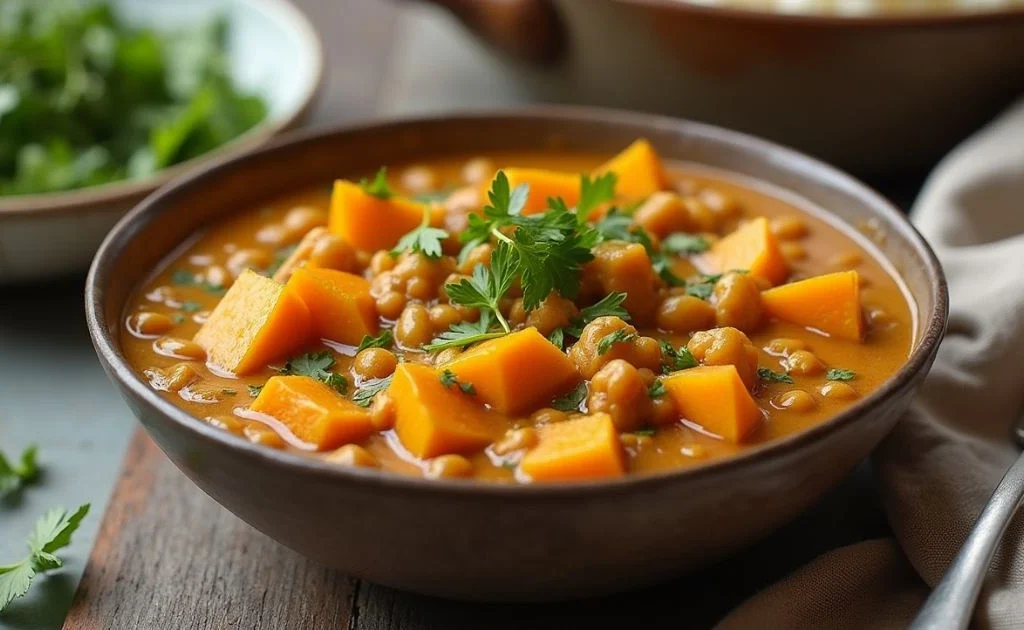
364	395
14	476
465	334
675	359
618	336
384	340
379	187
608	306
771	376
51	533
317	365
449	380
572	400
485	288
424	239
840	374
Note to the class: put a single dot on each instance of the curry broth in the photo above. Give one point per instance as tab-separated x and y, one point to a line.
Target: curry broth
217	394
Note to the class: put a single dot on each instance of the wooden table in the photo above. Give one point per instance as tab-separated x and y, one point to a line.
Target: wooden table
168	556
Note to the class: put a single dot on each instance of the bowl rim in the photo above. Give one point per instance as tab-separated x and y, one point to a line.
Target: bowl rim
933	324
818	19
79	199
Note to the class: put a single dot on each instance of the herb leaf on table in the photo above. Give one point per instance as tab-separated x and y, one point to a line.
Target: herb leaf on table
14	476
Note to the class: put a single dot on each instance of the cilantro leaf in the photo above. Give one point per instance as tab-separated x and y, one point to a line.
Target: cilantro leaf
485	288
572	400
254	390
771	376
644	432
618	336
424	239
186	278
839	374
683	243
464	334
51	533
364	395
608	306
680	359
14	476
702	286
384	340
379	187
317	365
657	389
191	306
594	192
557	338
449	380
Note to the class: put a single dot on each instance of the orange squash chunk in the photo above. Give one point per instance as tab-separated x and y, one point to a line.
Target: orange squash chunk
639	171
313	412
340	306
256	322
714	397
367	222
829	303
752	247
432	420
515	373
585	448
543	184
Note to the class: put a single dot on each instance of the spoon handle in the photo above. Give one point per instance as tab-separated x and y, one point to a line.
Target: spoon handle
951	604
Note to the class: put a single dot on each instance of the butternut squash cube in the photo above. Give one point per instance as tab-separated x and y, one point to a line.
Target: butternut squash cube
515	373
256	322
543	184
714	397
340	306
829	303
751	247
313	412
584	448
639	171
367	222
432	420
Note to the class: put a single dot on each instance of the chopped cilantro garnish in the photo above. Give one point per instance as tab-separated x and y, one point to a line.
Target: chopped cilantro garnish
683	243
190	306
766	374
178	318
839	374
379	187
365	394
317	365
557	337
384	340
657	389
254	390
13	476
229	391
572	400
644	432
449	380
702	286
676	359
186	278
619	336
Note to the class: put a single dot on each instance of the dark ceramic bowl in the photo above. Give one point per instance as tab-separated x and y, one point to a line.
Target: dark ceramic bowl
479	541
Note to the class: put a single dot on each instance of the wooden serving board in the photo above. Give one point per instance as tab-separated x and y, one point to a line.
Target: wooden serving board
168	556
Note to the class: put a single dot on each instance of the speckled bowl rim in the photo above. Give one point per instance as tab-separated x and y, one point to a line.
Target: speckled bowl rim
105	342
80	199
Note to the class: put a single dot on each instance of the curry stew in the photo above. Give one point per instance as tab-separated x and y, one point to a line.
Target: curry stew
526	324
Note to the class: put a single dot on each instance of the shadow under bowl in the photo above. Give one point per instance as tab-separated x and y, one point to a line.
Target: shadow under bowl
489	542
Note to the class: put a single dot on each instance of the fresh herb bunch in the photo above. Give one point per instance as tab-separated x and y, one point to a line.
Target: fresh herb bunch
52	532
86	99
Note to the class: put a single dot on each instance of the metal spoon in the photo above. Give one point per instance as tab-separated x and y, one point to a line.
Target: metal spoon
951	604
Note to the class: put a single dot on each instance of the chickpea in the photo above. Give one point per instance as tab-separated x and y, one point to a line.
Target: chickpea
478	170
181	376
479	255
446	356
468	314
619	266
332	252
639	351
726	346
548	415
231	424
695	451
449	466
300	254
148	324
517	313
878	317
177	348
249	258
258	433
353	455
413	328
390	304
719	203
463	200
382	412
272	235
382	261
795	399
374	363
803	363
784	346
302	219
443	316
516	440
703	218
788	228
663	213
847	260
737	302
647	375
792	252
420	288
363	259
218	276
618	390
386	281
554	312
684	314
663	411
837	390
419	179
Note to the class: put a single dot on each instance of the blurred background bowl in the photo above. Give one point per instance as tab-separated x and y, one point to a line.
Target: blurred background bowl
885	91
273	51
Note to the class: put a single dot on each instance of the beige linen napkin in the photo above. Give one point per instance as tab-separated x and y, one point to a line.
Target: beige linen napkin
941	463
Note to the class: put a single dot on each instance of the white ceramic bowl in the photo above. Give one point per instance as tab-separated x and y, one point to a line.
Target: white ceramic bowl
273	50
